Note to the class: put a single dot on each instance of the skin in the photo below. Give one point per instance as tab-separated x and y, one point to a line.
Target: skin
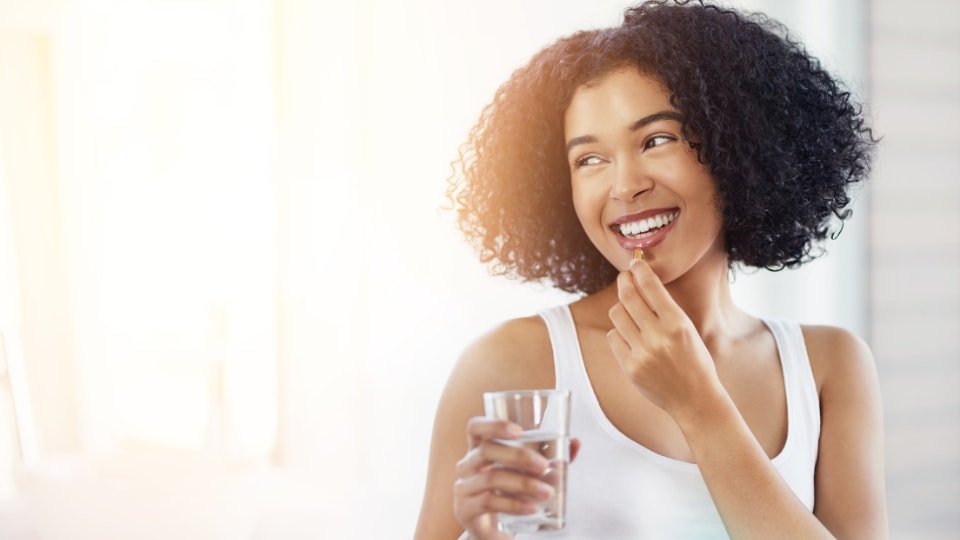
676	366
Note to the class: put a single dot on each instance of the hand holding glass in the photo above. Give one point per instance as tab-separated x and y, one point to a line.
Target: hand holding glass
544	416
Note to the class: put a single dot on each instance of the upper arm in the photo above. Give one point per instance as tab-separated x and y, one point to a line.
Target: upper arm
850	494
515	355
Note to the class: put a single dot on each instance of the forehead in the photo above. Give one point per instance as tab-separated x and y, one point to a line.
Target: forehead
620	97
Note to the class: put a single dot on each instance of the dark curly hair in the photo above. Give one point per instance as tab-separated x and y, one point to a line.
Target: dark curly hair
782	138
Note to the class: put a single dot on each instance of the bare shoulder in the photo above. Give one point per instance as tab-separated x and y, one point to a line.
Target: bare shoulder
838	357
514	354
849	475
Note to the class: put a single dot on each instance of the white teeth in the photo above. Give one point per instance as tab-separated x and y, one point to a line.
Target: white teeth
645	225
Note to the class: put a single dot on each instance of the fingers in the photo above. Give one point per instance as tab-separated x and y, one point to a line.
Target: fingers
470	506
651	289
502	490
624	324
500	464
632	298
488	453
620	348
480	429
495	477
644	302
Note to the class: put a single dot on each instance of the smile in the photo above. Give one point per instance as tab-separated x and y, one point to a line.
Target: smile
643	228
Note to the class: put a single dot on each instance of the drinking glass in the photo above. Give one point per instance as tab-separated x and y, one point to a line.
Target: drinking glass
544	416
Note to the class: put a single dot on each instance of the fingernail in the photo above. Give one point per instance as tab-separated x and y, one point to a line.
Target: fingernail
515	430
545	490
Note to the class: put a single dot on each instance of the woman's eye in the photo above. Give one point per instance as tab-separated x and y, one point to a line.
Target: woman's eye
657	140
586	161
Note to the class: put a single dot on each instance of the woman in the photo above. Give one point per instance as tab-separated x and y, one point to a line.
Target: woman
706	139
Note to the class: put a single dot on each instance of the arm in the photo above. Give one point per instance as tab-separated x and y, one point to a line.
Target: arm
659	348
756	503
849	480
515	355
752	498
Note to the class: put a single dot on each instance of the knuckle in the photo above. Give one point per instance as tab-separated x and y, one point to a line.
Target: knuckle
489	476
487	451
624	289
485	499
475	425
534	459
530	484
518	506
482	452
468	462
634	369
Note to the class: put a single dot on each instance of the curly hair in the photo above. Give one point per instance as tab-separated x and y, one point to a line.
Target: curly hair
783	140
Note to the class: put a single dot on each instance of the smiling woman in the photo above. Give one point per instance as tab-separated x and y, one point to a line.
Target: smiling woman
708	139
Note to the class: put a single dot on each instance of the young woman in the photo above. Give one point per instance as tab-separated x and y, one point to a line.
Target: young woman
708	139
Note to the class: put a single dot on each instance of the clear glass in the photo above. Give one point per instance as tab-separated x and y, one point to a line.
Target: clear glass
544	416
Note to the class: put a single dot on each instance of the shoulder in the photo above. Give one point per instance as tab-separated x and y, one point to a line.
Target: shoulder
849	473
514	354
838	357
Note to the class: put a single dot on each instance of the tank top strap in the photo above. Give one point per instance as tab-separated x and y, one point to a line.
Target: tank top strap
798	378
567	362
803	402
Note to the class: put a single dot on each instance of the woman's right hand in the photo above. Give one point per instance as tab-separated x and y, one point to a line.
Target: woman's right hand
494	477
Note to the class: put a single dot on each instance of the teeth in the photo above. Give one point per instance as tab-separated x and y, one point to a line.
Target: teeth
645	225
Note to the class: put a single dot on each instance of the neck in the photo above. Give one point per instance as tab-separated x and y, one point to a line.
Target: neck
703	293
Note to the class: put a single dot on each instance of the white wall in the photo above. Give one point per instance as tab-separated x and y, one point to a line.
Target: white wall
915	258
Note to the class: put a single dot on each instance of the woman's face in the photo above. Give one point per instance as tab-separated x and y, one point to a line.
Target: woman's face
636	182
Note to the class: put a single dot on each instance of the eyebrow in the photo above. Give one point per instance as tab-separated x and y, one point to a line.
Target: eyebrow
645	121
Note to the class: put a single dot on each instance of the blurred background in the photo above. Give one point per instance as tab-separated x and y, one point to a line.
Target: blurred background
229	296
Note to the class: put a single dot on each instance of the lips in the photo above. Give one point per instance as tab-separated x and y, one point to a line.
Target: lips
640	227
646	229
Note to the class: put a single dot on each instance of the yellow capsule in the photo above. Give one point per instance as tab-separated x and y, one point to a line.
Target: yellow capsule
638	254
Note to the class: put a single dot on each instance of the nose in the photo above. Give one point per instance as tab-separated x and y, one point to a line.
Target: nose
630	180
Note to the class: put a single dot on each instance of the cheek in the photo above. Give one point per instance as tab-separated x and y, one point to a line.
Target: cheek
589	209
715	202
577	192
587	206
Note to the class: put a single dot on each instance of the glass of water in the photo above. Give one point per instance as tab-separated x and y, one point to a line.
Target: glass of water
544	416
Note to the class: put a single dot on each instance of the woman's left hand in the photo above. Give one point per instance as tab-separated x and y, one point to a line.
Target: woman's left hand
657	345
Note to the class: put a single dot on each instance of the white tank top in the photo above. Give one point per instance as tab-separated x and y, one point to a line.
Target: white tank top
619	489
